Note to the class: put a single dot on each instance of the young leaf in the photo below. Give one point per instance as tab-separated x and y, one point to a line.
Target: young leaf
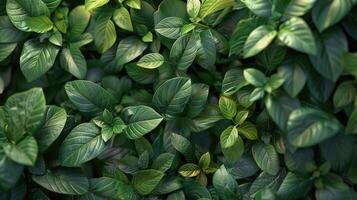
121	17
189	170
193	7
92	4
104	33
40	24
258	40
255	77
228	107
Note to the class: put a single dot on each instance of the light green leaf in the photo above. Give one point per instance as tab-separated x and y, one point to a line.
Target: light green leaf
73	61
89	97
82	144
63	182
189	170
258	40
24	112
121	17
51	127
151	61
171	96
193	7
78	20
296	34
261	8
255	77
228	107
40	24
92	4
249	130
145	181
308	126
136	4
104	32
210	6
266	158
140	120
295	8
170	27
231	144
37	58
233	81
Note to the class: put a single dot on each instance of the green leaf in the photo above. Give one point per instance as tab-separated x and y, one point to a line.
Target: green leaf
82	144
170	27
141	75
334	188
255	77
233	81
258	40
228	107
163	162
231	144
211	6
344	95
225	185
78	20
296	34
37	58
183	145
294	187
249	130
10	172
274	82
171	96
259	7
266	158
189	170
63	182
328	13
73	61
121	17
104	32
308	126
271	56
258	93
24	152
294	75
24	112
51	127
40	24
151	61
279	107
136	4
331	45
351	127
89	97
193	7
140	120
184	50
112	188
6	50
145	181
8	32
241	33
206	52
197	100
295	8
19	10
128	49
349	61
92	4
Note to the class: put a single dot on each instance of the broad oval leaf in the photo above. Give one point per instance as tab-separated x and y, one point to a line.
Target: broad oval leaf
296	34
170	27
63	182
89	97
82	144
24	152
145	181
258	40
128	49
171	96
73	61
183	51
8	32
228	107
140	120
37	58
121	17
104	32
308	126
266	158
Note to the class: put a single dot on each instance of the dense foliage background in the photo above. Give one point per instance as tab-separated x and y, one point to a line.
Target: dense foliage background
173	99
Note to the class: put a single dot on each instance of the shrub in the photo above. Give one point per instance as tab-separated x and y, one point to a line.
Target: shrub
174	99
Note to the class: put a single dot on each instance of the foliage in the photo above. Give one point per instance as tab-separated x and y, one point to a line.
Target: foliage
178	99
